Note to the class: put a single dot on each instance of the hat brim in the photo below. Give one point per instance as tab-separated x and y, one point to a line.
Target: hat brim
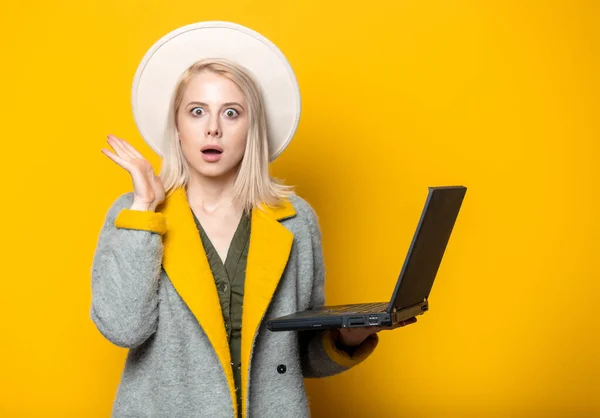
163	64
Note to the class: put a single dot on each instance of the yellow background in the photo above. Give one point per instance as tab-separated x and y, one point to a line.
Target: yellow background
501	96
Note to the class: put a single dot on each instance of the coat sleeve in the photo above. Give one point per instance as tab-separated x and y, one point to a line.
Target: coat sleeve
319	354
125	274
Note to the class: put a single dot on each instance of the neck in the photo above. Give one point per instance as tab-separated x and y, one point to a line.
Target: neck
210	193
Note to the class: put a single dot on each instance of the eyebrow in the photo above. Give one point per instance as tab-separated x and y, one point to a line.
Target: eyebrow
224	104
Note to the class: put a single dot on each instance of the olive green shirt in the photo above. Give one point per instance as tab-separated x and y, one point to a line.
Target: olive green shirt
229	279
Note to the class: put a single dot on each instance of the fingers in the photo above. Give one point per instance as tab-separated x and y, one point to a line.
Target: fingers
117	159
119	146
147	186
409	321
405	322
130	148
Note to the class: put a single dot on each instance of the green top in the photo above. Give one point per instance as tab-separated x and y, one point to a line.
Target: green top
229	278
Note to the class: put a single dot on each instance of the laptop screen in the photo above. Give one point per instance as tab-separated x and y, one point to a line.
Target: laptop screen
428	245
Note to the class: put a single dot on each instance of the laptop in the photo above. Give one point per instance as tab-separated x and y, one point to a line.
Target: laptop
410	296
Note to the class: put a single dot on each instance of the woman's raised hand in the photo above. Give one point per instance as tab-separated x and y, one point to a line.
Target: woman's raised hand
148	190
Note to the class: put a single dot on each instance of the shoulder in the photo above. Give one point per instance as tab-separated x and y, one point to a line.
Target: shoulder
305	213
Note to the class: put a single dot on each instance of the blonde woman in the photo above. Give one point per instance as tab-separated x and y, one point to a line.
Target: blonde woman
192	262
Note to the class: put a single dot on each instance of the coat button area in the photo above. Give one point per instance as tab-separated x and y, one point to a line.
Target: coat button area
281	369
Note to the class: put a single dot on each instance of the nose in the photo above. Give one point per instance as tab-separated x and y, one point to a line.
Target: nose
215	132
213	129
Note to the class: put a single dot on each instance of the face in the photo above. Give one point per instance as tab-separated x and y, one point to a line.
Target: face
213	125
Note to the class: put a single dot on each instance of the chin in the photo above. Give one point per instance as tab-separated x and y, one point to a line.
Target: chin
214	170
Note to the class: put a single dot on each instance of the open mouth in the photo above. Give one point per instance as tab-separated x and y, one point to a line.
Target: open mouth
212	151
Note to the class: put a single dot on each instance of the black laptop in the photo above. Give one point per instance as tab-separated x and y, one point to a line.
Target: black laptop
410	297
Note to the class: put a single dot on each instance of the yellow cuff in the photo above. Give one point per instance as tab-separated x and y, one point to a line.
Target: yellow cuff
142	220
344	359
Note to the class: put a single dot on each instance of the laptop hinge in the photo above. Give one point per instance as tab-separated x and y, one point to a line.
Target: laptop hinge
394	309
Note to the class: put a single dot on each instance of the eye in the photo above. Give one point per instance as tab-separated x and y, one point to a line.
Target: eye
231	113
197	111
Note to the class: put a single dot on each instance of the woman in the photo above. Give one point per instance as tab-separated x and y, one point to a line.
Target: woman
179	256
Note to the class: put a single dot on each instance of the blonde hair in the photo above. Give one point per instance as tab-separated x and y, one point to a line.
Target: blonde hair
253	184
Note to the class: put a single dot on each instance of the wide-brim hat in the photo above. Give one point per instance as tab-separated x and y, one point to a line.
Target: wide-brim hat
165	62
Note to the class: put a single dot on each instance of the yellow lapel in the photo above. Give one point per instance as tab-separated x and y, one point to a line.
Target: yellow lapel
187	266
270	246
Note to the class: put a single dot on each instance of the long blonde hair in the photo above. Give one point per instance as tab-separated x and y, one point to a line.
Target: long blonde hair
253	184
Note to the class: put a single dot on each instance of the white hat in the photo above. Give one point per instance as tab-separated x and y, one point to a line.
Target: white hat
170	56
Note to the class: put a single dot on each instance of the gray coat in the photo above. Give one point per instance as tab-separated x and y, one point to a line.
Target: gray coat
153	293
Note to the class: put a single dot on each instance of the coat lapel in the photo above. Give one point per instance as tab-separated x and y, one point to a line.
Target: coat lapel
270	246
187	266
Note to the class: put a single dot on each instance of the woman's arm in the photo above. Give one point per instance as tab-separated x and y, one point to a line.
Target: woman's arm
321	352
125	274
